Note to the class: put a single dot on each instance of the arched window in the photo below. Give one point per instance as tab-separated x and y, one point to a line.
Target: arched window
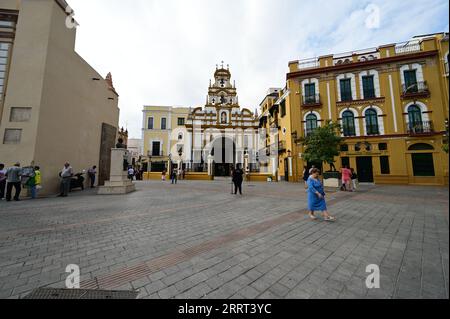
311	123
415	124
180	136
372	127
421	147
348	123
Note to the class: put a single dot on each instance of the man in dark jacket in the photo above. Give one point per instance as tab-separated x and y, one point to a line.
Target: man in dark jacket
238	178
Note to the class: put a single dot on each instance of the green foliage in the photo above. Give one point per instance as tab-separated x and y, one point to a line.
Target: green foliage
323	144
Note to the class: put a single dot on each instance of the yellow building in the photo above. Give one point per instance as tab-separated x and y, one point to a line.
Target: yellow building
162	132
277	129
393	105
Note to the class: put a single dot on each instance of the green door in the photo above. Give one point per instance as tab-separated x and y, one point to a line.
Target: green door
364	168
423	164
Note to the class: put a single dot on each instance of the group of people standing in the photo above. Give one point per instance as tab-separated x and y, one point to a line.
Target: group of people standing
17	177
349	179
135	173
175	175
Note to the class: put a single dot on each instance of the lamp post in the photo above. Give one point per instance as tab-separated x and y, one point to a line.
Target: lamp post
170	164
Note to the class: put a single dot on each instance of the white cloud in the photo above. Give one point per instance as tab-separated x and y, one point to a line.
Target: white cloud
165	52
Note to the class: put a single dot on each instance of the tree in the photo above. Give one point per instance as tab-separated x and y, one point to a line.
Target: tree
323	144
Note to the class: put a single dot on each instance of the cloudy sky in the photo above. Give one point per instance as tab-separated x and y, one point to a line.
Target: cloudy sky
165	52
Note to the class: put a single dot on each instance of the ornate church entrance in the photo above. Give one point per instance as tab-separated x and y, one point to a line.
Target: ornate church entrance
221	129
224	153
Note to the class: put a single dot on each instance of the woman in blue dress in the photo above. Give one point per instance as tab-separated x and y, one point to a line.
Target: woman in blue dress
316	197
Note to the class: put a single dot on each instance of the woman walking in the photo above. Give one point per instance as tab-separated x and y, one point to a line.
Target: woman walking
316	197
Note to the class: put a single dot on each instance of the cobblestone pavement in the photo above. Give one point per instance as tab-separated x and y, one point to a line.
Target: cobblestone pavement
195	240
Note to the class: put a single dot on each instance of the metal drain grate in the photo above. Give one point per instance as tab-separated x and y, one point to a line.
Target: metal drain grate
51	293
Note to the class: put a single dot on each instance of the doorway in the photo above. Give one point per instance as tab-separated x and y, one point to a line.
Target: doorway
364	169
224	153
286	170
423	165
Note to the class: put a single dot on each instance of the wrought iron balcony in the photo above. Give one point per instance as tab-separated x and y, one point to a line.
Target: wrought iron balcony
420	128
311	100
155	154
416	90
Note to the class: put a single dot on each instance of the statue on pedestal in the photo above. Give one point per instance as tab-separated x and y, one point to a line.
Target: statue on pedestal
125	157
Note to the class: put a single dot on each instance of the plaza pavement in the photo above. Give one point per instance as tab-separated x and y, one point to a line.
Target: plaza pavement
196	240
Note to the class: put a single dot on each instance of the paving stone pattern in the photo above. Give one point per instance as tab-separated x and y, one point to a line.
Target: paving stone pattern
196	240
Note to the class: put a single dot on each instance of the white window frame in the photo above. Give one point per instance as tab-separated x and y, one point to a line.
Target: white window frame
412	67
423	108
319	120
376	82
353	85
355	113
380	119
161	122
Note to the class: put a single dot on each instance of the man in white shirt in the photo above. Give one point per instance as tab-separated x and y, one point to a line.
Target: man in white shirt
131	173
66	176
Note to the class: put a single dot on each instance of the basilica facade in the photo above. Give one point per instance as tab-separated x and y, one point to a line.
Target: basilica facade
210	139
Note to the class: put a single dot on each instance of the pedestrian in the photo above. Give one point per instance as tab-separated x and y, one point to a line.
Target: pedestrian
2	181
174	176
131	173
354	179
66	175
238	179
14	175
163	177
38	178
31	184
346	179
316	197
92	172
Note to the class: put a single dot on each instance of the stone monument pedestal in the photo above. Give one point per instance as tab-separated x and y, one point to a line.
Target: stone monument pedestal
118	183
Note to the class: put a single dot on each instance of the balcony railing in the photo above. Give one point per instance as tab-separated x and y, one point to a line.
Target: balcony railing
407	47
419	128
311	100
308	64
155	154
419	88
